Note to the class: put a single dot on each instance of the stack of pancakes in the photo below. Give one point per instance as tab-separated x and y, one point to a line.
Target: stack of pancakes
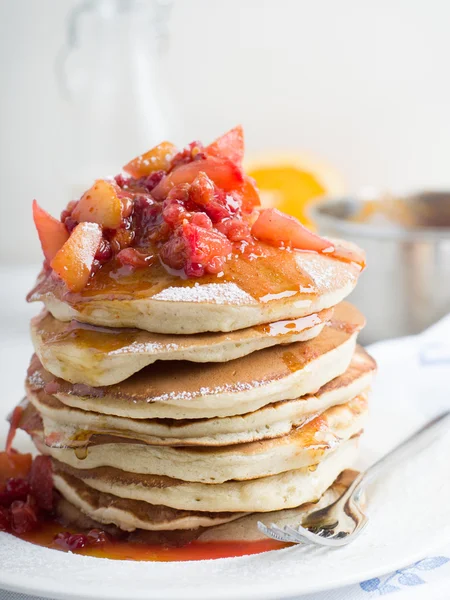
171	405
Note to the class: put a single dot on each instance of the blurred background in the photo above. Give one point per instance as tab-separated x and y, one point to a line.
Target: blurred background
335	98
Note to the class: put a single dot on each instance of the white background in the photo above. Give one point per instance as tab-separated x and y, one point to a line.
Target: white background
362	84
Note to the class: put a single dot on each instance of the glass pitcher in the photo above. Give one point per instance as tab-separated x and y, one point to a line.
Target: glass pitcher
111	74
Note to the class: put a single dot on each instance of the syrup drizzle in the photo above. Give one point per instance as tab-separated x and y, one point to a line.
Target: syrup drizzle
271	274
117	549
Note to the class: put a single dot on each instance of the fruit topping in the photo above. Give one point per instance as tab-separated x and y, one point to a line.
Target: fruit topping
26	491
196	250
229	145
247	195
100	204
27	501
70	541
224	173
15	488
190	210
23	515
52	233
134	258
75	541
279	229
73	262
157	159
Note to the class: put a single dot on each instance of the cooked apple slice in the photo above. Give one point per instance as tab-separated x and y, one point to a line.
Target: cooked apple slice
52	233
229	145
278	229
248	194
225	174
73	263
100	204
156	159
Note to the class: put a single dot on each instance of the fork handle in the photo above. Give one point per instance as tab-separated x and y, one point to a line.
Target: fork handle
419	440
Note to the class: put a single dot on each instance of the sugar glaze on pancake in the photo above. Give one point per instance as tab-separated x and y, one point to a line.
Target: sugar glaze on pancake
279	284
98	356
185	390
69	427
304	446
276	492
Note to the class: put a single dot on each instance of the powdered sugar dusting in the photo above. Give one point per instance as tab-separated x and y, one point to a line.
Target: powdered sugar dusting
145	348
240	386
211	293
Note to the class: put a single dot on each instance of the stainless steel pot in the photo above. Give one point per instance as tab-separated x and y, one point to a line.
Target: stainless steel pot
406	286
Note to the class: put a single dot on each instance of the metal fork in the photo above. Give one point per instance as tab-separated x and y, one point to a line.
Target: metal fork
342	521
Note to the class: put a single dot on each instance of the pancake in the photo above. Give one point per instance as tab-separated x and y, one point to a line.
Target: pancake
242	529
133	514
304	446
70	427
185	390
275	492
98	356
275	285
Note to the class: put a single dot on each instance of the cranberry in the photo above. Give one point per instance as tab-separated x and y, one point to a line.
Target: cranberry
104	251
188	154
23	515
174	252
175	206
235	230
194	269
15	489
201	220
5	523
70	224
152	180
121	238
147	215
121	180
210	199
97	536
197	250
70	541
134	258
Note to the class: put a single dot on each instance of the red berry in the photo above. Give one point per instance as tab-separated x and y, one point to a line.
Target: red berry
235	230
121	180
201	220
15	489
134	258
174	253
68	541
152	180
97	536
210	199
104	251
23	515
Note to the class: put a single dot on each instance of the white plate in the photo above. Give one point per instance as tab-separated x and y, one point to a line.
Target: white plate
409	510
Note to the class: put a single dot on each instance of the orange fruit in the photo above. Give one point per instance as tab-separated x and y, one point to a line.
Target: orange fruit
290	182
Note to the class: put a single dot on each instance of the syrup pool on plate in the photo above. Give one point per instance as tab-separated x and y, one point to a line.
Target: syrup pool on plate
21	516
